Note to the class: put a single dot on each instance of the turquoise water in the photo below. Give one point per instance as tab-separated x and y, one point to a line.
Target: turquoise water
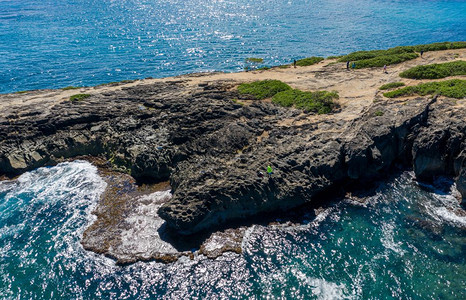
404	243
53	44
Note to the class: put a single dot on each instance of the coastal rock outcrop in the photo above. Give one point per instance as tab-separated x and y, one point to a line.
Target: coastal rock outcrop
214	151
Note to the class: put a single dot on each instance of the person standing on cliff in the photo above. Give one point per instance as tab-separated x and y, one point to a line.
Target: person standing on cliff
269	170
294	63
422	52
385	69
347	65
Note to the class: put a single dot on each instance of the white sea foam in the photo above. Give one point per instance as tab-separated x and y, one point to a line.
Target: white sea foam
144	223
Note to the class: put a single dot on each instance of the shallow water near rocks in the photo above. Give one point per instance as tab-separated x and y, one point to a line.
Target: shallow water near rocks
403	242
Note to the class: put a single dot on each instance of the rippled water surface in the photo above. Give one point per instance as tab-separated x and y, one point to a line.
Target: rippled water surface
52	43
405	243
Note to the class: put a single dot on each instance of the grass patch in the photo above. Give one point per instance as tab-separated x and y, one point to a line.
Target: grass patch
436	71
284	66
79	97
255	60
454	88
391	85
378	113
320	102
263	68
21	92
263	89
309	61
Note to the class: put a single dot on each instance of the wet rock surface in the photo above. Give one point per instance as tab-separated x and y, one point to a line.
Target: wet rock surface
211	149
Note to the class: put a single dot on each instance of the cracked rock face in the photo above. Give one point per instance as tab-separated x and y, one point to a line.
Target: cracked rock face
212	149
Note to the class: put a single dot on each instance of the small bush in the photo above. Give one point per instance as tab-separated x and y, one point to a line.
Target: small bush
334	56
79	97
263	89
391	85
454	88
320	102
436	71
378	113
255	60
309	61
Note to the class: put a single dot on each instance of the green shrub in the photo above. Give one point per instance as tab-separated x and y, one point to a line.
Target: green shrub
309	61
359	55
454	88
79	97
380	61
334	56
435	71
440	46
391	85
378	113
255	60
320	102
263	89
362	55
378	58
263	68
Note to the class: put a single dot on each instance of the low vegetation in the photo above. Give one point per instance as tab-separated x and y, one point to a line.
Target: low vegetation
436	71
79	97
391	85
70	88
255	60
439	46
380	61
379	58
263	89
320	102
454	88
378	113
309	61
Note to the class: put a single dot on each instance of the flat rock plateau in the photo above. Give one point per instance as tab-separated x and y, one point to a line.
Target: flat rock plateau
181	155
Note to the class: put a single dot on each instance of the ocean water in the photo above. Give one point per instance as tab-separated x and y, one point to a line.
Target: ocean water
56	43
403	243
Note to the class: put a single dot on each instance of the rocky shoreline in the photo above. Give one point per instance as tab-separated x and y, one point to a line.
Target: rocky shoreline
210	142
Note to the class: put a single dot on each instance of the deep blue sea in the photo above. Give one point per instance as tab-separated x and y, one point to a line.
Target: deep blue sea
57	43
406	242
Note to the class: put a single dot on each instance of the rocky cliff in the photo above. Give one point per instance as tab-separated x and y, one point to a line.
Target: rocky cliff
212	143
